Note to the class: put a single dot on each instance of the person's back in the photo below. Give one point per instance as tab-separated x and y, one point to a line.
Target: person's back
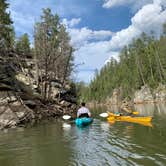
83	111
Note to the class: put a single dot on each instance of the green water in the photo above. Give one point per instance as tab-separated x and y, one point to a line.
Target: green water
100	144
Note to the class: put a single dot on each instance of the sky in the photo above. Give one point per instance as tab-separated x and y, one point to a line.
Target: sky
99	29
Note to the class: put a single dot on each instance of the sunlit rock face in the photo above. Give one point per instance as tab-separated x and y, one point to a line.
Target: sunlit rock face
13	114
143	95
160	93
147	95
20	97
116	97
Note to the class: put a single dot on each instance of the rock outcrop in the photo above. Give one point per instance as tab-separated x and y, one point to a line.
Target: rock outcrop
144	95
115	100
116	97
160	93
20	100
141	96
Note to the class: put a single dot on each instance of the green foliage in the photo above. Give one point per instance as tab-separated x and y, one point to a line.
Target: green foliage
82	92
23	45
52	45
143	62
52	50
6	30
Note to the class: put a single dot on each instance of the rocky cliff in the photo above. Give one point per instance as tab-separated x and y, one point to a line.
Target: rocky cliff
20	100
141	96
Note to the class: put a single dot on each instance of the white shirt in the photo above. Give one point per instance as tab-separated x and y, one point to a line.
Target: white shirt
83	110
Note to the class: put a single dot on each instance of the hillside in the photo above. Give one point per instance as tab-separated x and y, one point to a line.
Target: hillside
141	64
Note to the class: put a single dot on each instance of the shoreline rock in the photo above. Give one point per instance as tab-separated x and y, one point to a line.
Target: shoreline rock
20	100
143	96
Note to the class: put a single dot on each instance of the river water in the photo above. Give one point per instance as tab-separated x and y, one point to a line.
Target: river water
57	143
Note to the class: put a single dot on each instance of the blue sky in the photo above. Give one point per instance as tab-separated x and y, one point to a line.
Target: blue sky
99	29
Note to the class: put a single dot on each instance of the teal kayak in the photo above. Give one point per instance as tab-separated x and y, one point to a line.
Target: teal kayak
81	122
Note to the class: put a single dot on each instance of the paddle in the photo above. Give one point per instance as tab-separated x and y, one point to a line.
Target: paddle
135	113
66	117
105	114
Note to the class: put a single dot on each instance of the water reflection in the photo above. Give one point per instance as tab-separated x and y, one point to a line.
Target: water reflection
149	124
151	109
101	143
38	146
105	126
66	126
145	109
161	109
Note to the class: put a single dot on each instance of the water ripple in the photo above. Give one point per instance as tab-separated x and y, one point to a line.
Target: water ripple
100	144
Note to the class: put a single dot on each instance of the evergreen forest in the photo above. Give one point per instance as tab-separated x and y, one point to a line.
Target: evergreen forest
141	63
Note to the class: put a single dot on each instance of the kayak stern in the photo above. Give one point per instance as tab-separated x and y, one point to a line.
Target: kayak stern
81	122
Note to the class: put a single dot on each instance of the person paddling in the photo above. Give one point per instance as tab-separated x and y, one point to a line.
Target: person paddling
83	111
125	109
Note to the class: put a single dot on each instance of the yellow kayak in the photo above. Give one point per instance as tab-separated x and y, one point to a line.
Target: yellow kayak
141	120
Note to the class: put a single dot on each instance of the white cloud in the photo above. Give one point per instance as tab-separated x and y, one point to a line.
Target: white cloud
93	56
112	3
92	50
21	24
135	4
73	22
84	76
150	18
114	55
25	13
160	2
102	34
85	35
63	7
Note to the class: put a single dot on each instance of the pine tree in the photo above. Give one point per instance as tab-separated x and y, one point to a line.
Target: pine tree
6	30
53	51
23	46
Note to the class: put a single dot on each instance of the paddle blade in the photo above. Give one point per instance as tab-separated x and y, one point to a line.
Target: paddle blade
135	113
66	117
104	115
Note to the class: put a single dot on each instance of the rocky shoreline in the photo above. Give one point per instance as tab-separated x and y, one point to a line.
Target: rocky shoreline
20	99
143	96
